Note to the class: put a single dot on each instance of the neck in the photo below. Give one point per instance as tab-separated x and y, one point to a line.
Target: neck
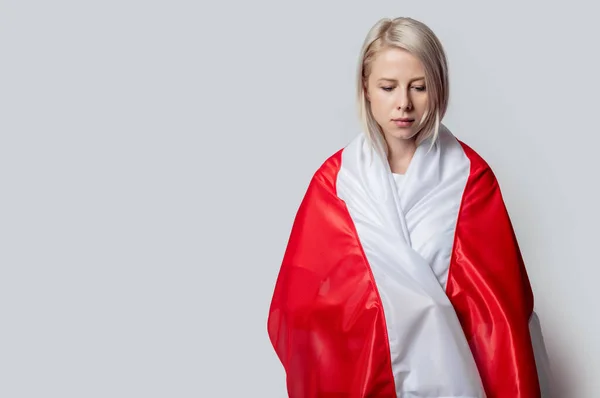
400	153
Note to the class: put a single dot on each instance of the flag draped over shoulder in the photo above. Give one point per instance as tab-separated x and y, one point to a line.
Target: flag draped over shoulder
407	291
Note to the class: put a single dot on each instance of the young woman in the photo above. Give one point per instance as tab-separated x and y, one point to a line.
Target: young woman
402	276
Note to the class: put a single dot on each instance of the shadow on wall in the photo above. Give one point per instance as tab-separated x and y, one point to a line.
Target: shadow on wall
555	379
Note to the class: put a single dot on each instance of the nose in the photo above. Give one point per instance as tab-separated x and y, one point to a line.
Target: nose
403	100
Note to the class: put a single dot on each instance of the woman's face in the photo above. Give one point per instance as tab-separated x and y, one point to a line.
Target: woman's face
396	91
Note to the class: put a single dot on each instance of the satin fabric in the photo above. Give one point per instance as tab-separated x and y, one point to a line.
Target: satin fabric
490	290
326	321
399	293
407	235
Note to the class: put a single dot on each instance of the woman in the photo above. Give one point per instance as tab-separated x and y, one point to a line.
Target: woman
402	276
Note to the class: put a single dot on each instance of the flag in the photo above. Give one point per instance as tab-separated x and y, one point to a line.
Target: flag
411	290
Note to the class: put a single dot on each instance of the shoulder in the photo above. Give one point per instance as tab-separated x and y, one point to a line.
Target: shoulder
481	174
326	173
357	147
477	161
450	142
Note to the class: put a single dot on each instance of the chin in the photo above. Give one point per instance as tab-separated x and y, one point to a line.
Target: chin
401	134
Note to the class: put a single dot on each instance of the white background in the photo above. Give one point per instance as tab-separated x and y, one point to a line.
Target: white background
153	156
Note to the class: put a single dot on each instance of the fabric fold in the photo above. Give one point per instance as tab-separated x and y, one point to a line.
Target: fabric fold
404	286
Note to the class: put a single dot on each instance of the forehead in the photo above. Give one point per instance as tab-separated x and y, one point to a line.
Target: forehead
396	63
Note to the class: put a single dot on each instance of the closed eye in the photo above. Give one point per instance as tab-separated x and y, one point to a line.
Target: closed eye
417	88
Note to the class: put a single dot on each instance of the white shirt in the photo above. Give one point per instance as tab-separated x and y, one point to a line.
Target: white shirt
399	178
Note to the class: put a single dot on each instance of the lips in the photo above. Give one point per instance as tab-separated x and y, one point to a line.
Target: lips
403	122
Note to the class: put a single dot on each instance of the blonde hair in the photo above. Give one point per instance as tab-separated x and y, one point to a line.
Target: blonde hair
418	39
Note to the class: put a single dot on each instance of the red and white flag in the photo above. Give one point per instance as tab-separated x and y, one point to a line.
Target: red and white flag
405	286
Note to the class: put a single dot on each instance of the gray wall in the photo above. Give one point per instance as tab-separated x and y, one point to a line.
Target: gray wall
153	156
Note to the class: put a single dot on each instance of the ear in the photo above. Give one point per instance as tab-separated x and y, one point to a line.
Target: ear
366	90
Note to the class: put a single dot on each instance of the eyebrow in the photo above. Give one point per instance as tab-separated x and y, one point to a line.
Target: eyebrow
396	81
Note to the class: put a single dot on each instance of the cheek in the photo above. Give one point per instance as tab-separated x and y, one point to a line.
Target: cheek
378	109
422	103
381	103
